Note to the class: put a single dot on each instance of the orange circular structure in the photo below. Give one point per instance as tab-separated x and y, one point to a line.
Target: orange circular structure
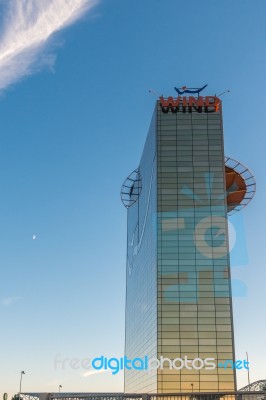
240	185
235	188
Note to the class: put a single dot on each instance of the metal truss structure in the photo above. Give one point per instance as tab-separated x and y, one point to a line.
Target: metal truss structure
131	189
255	386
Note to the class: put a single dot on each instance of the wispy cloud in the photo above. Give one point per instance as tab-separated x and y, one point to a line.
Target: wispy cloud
9	300
93	372
27	27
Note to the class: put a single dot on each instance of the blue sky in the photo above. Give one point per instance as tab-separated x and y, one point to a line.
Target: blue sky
71	131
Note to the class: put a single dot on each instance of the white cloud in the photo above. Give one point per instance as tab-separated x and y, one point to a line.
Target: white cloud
27	26
93	372
9	300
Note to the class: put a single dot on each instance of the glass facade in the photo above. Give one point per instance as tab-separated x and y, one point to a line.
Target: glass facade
178	302
141	292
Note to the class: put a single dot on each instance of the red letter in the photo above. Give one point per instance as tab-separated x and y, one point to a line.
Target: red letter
195	102
213	101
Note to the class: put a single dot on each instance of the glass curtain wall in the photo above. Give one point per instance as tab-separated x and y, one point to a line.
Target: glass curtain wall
194	294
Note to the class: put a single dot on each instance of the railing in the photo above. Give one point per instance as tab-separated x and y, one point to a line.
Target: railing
151	396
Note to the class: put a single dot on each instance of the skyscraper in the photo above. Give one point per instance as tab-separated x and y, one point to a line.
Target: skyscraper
178	297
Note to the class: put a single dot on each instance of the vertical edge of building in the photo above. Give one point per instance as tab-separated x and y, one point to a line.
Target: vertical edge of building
141	275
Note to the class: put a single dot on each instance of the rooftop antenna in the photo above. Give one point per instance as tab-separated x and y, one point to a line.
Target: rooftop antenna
226	91
152	91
